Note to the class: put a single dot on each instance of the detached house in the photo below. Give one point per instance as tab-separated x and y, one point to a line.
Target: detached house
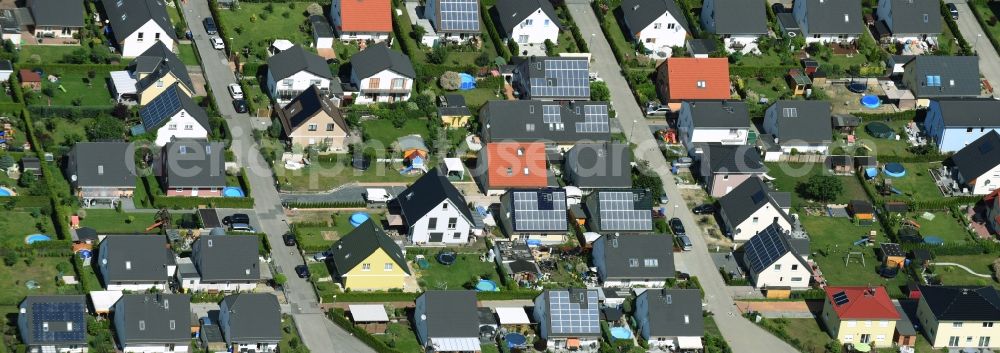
223	263
976	167
751	208
526	21
447	321
506	165
174	115
250	322
776	259
659	25
739	23
59	19
158	69
612	211
956	123
311	119
293	71
829	21
930	77
960	317
368	259
381	75
569	319
634	260
193	168
101	172
53	323
713	122
454	21
135	262
909	20
153	323
668	318
535	215
802	126
599	165
860	314
552	78
559	126
691	79
138	24
724	167
361	20
432	211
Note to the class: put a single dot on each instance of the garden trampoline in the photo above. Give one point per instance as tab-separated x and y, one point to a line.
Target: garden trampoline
447	258
857	87
879	130
894	170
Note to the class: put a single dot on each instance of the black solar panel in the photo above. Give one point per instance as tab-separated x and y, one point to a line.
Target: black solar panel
57	322
539	210
618	212
160	109
574	315
563	78
764	249
840	298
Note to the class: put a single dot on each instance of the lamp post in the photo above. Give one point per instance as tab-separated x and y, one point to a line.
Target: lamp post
631	134
592	35
673	212
975	47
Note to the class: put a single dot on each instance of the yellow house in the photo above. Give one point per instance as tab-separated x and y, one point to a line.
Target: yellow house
157	69
453	111
367	259
860	315
960	317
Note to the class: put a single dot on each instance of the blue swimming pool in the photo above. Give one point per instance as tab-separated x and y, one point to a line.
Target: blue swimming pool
6	192
358	218
871	101
485	285
468	82
34	238
621	333
894	170
232	191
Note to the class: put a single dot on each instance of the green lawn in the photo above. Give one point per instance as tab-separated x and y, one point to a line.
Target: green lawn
77	89
882	147
39	269
951	275
111	221
313	238
831	240
406	31
943	226
808	333
187	54
466	269
19	223
789	175
988	11
328	175
290	340
401	337
45	54
772	88
917	184
382	130
244	26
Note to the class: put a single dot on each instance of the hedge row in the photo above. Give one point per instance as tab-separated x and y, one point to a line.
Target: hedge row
492	32
187	202
343	204
906	115
340	318
977	248
581	41
60	212
759	71
962	43
927	158
70	112
374	297
50	69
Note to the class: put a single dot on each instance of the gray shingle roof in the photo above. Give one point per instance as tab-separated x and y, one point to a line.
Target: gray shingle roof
136	258
832	17
958	303
740	17
54	320
321	27
667	311
378	58
915	16
748	197
62	13
427	193
157	61
296	59
629	256
128	16
801	121
509	14
523	121
970	112
730	159
451	313
719	114
600	165
305	106
154	319
639	14
101	164
352	249
194	163
253	318
978	157
223	258
955	76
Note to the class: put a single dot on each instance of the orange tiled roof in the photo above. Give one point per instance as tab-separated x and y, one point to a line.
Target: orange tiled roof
508	161
365	16
685	74
859	302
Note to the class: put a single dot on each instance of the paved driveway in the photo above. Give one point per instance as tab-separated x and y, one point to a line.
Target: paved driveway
989	61
318	333
742	335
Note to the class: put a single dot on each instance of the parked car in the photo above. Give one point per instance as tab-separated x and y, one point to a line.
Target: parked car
240	105
685	243
953	10
683	162
704	209
302	271
236	218
217	43
664	199
235	91
676	226
242	227
656	109
289	239
210	26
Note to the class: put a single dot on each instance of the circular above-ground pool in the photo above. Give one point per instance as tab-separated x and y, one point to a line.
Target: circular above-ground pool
933	240
894	170
621	333
34	238
358	218
857	87
485	285
232	191
4	191
879	130
871	101
468	82
515	340
447	258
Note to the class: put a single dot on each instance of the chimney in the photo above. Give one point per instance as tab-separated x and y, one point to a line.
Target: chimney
635	8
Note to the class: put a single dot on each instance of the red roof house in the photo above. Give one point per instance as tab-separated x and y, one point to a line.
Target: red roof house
30	79
364	16
681	79
861	303
513	165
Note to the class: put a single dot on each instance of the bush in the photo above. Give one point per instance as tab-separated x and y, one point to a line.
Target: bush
450	81
820	187
314	9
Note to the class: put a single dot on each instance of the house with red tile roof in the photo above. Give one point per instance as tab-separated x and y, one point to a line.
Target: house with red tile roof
686	79
361	20
860	314
510	165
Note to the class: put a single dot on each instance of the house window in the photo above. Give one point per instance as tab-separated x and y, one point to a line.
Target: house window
456	236
366	267
650	40
657	25
388	266
139	39
968	340
848	338
984	341
314	82
633	262
953	341
188	127
795	267
313	127
852	324
329	127
373	83
156	36
452	222
529	22
956	324
288	82
546	23
444	206
172	127
868	324
880	338
398	83
777	267
816	36
865	338
432	223
796	279
883	323
670	26
733	131
755	219
159	83
651	262
988	324
968	130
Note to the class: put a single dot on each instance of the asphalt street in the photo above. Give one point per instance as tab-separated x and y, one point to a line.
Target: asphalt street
742	335
989	60
318	333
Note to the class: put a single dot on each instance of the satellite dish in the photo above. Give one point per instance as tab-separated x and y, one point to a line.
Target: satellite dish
792	34
73	177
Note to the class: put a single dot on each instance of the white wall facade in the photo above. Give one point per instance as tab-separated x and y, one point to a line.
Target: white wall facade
799	11
624	283
759	221
150	32
286	89
536	29
181	125
155	348
665	32
382	87
443	212
336	21
690	135
786	272
988	182
196	285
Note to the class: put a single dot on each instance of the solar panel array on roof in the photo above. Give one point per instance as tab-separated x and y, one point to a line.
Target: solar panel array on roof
764	249
563	78
595	119
551	114
460	15
758	197
160	109
57	322
618	212
539	210
570	317
840	298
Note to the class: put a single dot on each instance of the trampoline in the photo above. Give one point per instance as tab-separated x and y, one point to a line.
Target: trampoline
4	192
871	101
361	162
515	340
468	82
909	234
894	170
879	130
621	333
35	238
857	87
447	258
933	240
358	218
485	285
232	191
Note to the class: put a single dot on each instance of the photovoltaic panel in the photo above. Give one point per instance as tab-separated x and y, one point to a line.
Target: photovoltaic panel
551	114
595	119
840	298
57	322
563	78
539	210
764	249
459	15
160	109
618	212
574	315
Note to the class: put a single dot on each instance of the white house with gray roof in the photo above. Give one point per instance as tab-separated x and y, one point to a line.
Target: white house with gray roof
659	25
56	18
447	321
527	21
751	207
976	168
135	263
174	115
138	24
724	167
228	263
433	211
908	20
153	323
101	172
380	74
670	318
721	122
294	70
250	322
932	76
829	21
803	126
740	23
774	258
955	123
634	260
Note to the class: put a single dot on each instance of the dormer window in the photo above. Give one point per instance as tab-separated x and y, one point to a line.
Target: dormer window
701	84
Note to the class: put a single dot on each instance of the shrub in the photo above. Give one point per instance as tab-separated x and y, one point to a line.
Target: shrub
314	9
450	81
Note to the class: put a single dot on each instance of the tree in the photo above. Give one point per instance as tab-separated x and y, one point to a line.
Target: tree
275	129
438	55
821	187
106	128
10	258
27	180
418	33
314	9
599	91
6	161
483	59
280	279
450	81
512	45
550	48
121	111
